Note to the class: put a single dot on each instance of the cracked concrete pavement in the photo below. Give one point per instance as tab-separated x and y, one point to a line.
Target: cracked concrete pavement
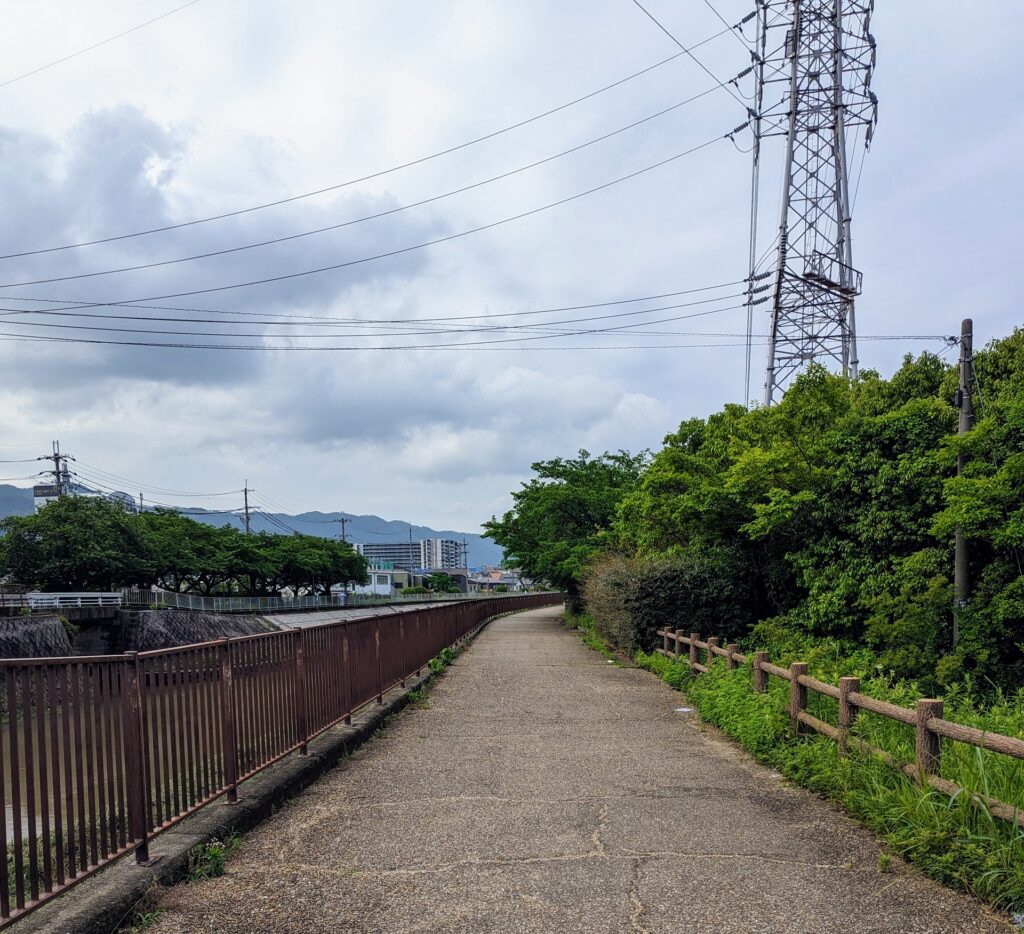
541	789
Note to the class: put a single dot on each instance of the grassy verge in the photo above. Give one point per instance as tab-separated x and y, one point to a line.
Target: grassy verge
591	637
953	840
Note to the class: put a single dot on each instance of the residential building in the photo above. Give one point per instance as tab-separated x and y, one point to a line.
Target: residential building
433	554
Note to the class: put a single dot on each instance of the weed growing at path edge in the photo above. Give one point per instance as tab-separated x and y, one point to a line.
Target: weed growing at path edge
954	840
208	860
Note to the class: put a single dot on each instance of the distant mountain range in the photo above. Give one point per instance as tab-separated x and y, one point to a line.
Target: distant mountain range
17	501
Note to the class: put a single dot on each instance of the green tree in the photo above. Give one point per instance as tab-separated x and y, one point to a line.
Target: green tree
442	583
564	514
76	543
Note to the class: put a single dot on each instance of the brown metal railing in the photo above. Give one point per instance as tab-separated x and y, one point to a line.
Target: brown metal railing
99	753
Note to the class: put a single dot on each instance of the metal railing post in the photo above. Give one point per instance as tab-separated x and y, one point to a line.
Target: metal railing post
135	768
299	674
229	746
380	671
346	669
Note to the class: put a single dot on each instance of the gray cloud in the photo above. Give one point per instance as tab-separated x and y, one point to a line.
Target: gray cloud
230	105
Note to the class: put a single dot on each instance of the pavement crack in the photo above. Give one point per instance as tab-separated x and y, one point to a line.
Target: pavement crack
757	857
634	899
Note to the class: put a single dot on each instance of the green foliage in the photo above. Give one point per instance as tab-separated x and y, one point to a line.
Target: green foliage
69	627
563	515
89	543
209	860
831	516
415	590
955	840
442	583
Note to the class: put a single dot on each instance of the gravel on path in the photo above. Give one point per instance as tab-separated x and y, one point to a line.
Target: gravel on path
541	789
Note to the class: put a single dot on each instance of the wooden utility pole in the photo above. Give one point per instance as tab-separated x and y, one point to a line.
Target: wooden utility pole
965	403
245	493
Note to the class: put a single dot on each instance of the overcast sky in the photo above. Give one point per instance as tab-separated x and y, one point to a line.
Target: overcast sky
225	105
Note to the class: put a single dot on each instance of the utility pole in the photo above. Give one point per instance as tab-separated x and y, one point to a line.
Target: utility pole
965	403
343	521
61	474
814	65
465	555
245	493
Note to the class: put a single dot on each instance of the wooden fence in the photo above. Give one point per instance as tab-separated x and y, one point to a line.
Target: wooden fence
926	719
99	753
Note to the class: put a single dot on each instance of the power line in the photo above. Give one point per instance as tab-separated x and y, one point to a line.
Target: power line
305	319
364	178
732	29
438	329
96	45
368	217
416	246
689	52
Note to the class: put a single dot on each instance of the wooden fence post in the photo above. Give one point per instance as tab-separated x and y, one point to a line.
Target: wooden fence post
229	748
760	675
797	695
847	711
694	651
135	767
664	641
679	643
730	654
928	751
299	673
712	645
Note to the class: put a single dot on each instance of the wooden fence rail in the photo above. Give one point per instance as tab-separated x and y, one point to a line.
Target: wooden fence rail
926	718
99	753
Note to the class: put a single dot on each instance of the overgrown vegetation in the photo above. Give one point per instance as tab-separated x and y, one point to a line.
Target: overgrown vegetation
954	840
88	543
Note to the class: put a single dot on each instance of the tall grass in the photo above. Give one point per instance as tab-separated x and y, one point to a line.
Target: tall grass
955	840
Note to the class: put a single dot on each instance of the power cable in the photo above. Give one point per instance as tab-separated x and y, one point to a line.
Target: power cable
368	217
416	246
438	329
96	45
364	178
305	319
732	29
703	67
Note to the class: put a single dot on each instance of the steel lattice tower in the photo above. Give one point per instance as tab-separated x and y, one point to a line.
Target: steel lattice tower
820	55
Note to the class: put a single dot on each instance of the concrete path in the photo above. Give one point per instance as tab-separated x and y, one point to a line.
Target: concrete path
542	789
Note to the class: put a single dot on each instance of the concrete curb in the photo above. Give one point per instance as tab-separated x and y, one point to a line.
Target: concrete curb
105	902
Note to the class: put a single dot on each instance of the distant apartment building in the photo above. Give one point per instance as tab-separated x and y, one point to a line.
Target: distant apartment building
433	554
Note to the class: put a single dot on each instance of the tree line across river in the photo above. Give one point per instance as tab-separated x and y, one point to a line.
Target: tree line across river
86	543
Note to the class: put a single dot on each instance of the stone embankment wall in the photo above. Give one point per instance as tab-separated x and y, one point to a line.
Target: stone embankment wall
33	637
145	630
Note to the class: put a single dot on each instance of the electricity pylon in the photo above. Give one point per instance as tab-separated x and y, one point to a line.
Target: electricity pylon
820	55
